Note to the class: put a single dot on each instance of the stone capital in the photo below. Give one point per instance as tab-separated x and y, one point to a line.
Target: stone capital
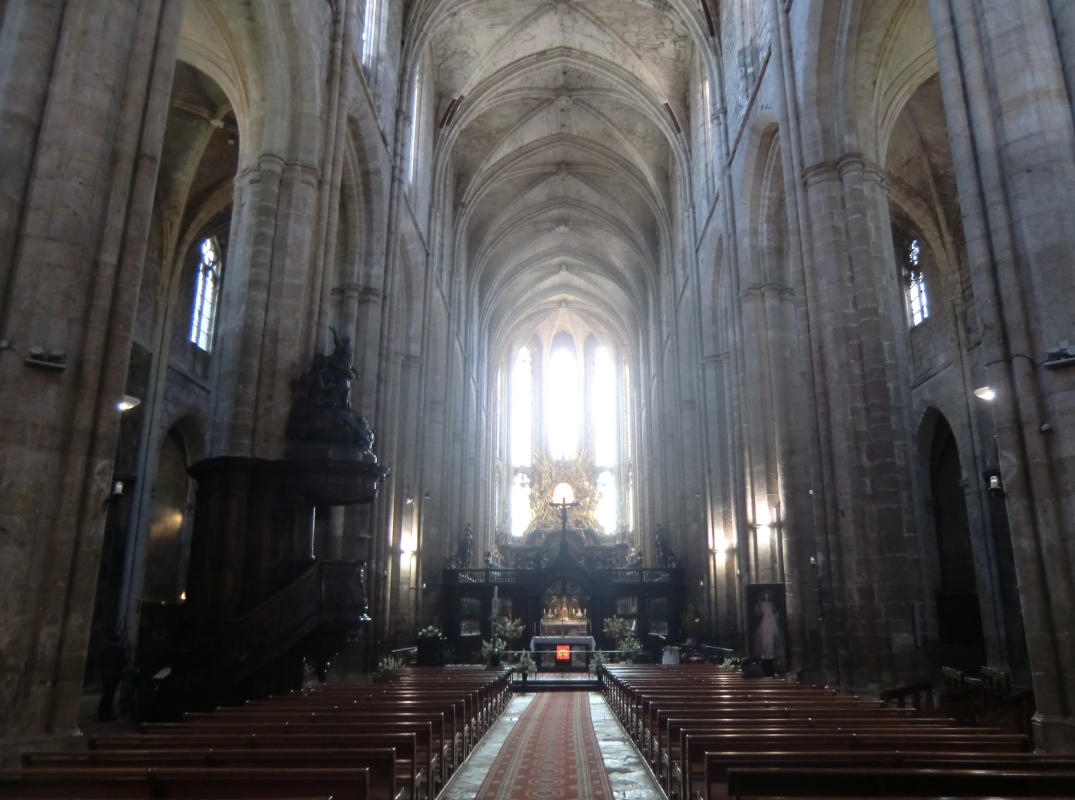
820	172
870	170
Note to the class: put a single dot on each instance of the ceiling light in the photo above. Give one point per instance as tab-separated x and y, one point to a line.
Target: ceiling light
985	393
128	402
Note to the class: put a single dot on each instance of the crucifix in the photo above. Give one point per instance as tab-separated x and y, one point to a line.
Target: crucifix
563	505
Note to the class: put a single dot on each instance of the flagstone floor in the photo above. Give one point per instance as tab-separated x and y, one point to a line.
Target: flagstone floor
630	778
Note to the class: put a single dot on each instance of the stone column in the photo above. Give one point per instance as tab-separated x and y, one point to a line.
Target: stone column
871	545
28	41
68	307
1013	144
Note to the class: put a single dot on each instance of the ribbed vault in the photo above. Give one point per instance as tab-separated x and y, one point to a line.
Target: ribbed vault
560	150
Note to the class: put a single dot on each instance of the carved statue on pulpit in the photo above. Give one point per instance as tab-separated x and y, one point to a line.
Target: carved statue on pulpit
322	410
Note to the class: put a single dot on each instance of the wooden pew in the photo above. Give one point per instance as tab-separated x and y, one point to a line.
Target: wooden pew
381	762
452	716
900	783
667	748
717	765
710	725
446	724
165	782
412	761
690	763
430	735
396	740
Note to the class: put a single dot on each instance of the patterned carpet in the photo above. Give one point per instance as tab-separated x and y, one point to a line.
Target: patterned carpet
551	752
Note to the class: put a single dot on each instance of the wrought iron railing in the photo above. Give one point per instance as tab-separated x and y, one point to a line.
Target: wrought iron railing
507	576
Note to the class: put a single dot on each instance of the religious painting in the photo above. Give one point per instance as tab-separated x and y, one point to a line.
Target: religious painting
767	623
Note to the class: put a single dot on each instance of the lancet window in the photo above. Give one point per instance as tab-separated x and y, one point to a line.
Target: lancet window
370	24
562	399
917	298
416	105
206	292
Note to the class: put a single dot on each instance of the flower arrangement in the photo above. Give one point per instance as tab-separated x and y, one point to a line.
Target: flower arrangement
494	647
597	662
507	628
619	630
389	664
526	665
432	632
631	647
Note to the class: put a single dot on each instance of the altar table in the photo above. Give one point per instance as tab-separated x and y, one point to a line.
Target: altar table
579	650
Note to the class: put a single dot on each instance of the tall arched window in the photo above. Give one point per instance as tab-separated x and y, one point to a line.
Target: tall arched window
206	292
603	410
562	403
416	119
521	408
915	291
605	424
520	504
707	128
579	403
607	511
370	23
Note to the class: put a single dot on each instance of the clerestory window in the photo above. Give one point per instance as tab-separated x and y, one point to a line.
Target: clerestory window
917	298
206	294
370	22
565	405
412	155
562	404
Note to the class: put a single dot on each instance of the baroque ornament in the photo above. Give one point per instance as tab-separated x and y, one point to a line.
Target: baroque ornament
580	473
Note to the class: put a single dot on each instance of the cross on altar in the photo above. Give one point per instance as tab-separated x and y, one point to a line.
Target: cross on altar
563	505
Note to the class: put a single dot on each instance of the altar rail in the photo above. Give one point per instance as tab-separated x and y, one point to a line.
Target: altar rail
509	576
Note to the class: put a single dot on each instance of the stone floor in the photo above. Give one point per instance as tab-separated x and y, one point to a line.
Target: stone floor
631	779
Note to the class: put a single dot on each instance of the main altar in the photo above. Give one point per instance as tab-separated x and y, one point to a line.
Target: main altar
563	578
565	641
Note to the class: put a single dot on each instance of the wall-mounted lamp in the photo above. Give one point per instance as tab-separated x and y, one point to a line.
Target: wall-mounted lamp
985	393
993	483
408	500
128	402
426	496
54	359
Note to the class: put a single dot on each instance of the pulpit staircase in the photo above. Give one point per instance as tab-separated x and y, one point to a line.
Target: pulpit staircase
304	620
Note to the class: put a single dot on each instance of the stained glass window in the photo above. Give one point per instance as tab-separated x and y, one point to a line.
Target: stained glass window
520	504
563	404
521	409
206	291
917	299
412	156
369	31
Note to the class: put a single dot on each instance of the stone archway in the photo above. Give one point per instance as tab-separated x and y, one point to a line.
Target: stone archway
961	642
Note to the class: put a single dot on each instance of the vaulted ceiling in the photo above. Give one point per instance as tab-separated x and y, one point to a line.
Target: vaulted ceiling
561	154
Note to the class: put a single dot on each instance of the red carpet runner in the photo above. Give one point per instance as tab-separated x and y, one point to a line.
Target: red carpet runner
551	752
